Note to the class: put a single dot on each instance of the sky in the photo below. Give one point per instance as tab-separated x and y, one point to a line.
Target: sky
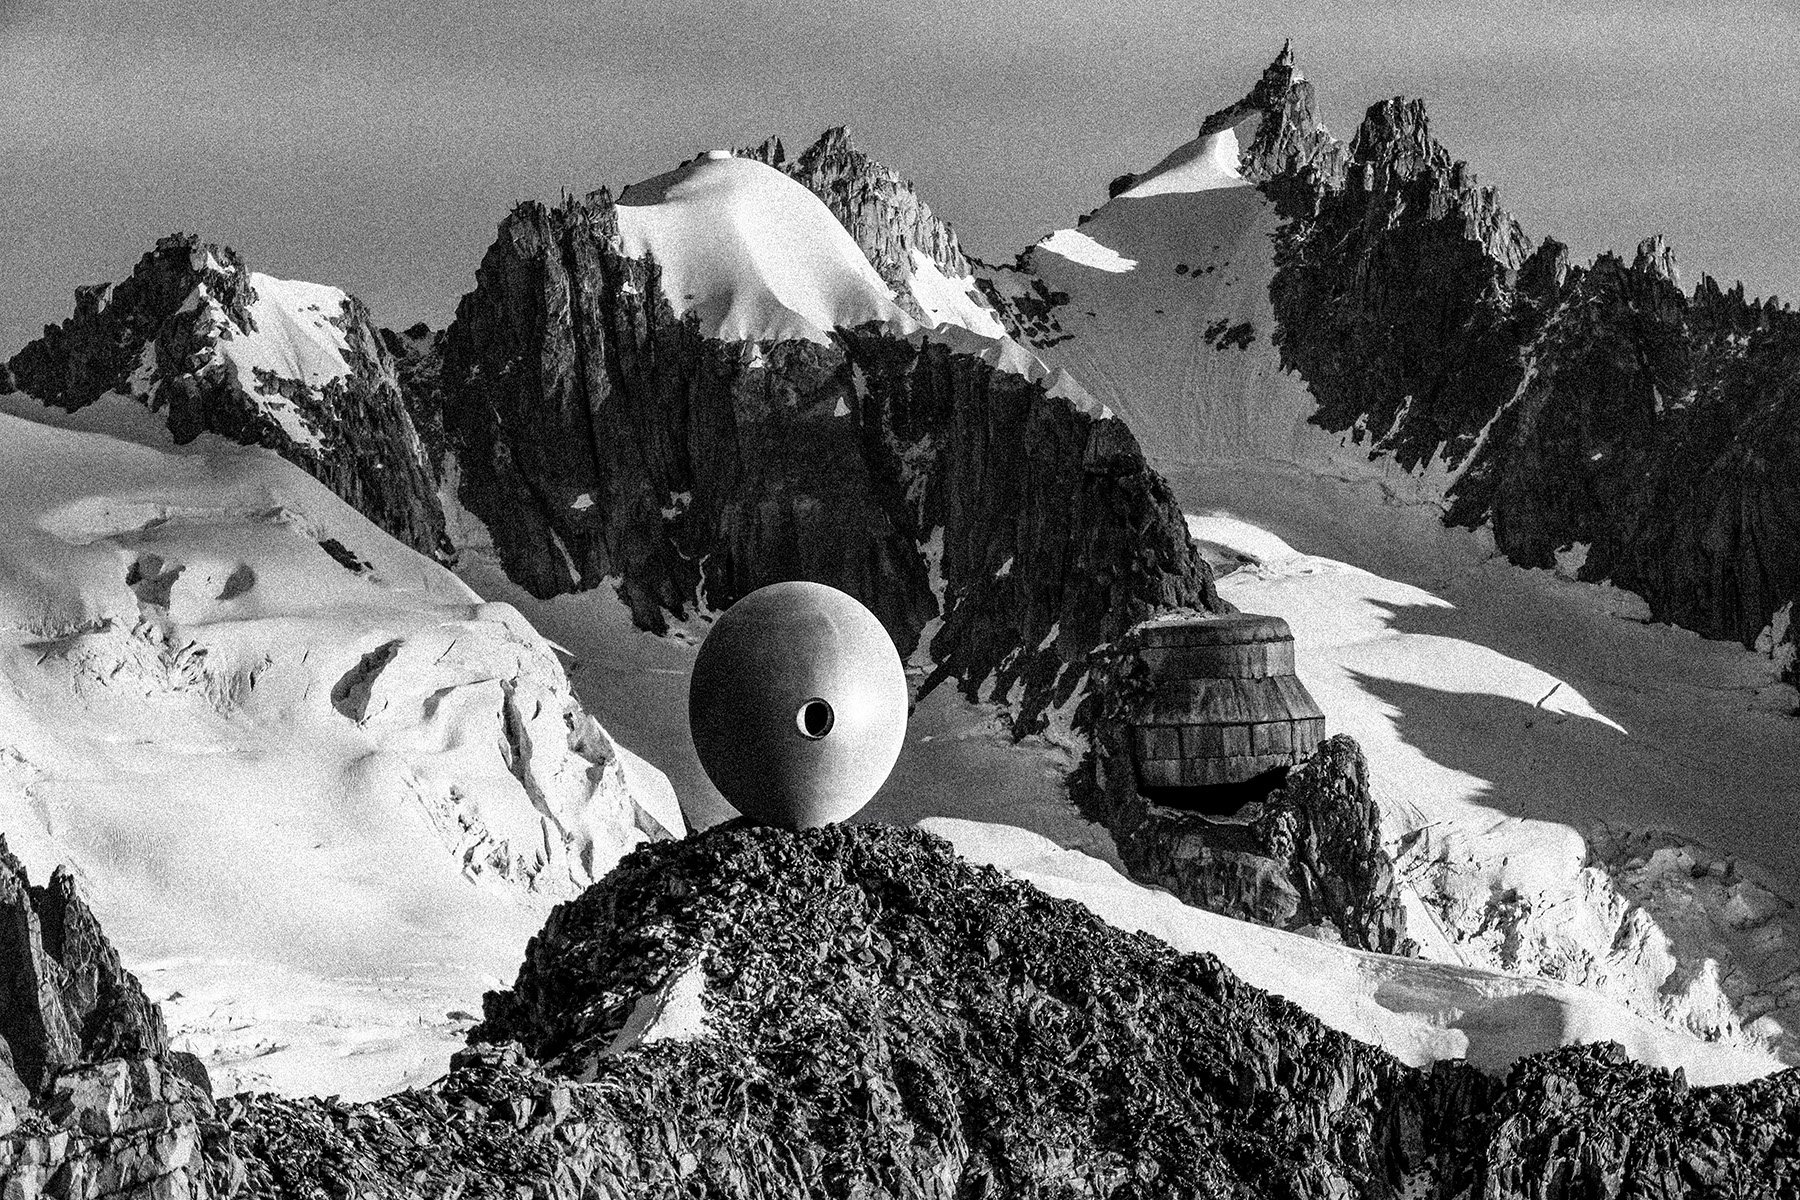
376	146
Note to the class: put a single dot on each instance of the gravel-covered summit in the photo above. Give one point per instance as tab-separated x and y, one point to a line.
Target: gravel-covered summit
901	1010
753	1013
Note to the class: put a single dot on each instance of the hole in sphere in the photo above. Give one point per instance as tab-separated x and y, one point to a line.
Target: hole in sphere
814	719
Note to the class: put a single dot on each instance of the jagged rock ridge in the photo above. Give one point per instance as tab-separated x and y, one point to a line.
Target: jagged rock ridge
1598	406
92	1101
604	439
298	368
1598	410
855	1011
67	998
880	210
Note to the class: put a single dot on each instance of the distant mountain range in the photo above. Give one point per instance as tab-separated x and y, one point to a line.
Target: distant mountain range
1262	289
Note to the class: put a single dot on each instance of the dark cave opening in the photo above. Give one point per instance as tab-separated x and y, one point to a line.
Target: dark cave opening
1218	800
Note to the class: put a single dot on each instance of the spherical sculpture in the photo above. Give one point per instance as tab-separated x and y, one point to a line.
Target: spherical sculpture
797	705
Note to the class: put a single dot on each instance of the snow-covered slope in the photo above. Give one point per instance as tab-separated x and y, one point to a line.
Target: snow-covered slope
1168	321
317	789
951	300
911	248
209	346
295	333
1573	793
754	255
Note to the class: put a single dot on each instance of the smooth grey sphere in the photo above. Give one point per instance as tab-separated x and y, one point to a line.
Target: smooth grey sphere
797	705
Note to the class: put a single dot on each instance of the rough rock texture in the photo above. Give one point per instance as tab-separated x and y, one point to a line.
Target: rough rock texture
879	208
1601	406
881	1019
92	1103
128	1128
604	440
1306	857
1781	643
64	997
1662	431
854	1011
1404	293
164	337
874	1017
1287	140
1586	1121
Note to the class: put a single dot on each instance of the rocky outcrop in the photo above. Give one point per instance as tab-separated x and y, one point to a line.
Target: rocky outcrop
1600	410
67	998
1587	1121
92	1102
1307	856
759	1013
856	1011
1285	140
197	338
1403	294
881	210
605	440
1600	407
1661	432
871	1016
1781	642
127	1128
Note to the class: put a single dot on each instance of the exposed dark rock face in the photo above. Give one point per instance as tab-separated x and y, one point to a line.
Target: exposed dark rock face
867	1014
67	999
162	337
1405	294
1663	431
604	440
1286	140
1586	1121
1783	645
1599	405
882	1019
879	208
128	1128
1325	827
1307	856
92	1102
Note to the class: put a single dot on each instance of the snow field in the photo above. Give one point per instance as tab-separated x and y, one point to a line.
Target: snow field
319	806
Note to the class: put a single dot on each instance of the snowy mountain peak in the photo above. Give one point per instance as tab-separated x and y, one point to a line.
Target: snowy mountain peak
1209	161
1277	125
208	346
912	249
753	254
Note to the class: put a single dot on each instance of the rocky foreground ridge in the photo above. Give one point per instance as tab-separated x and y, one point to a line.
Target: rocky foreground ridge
858	1012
